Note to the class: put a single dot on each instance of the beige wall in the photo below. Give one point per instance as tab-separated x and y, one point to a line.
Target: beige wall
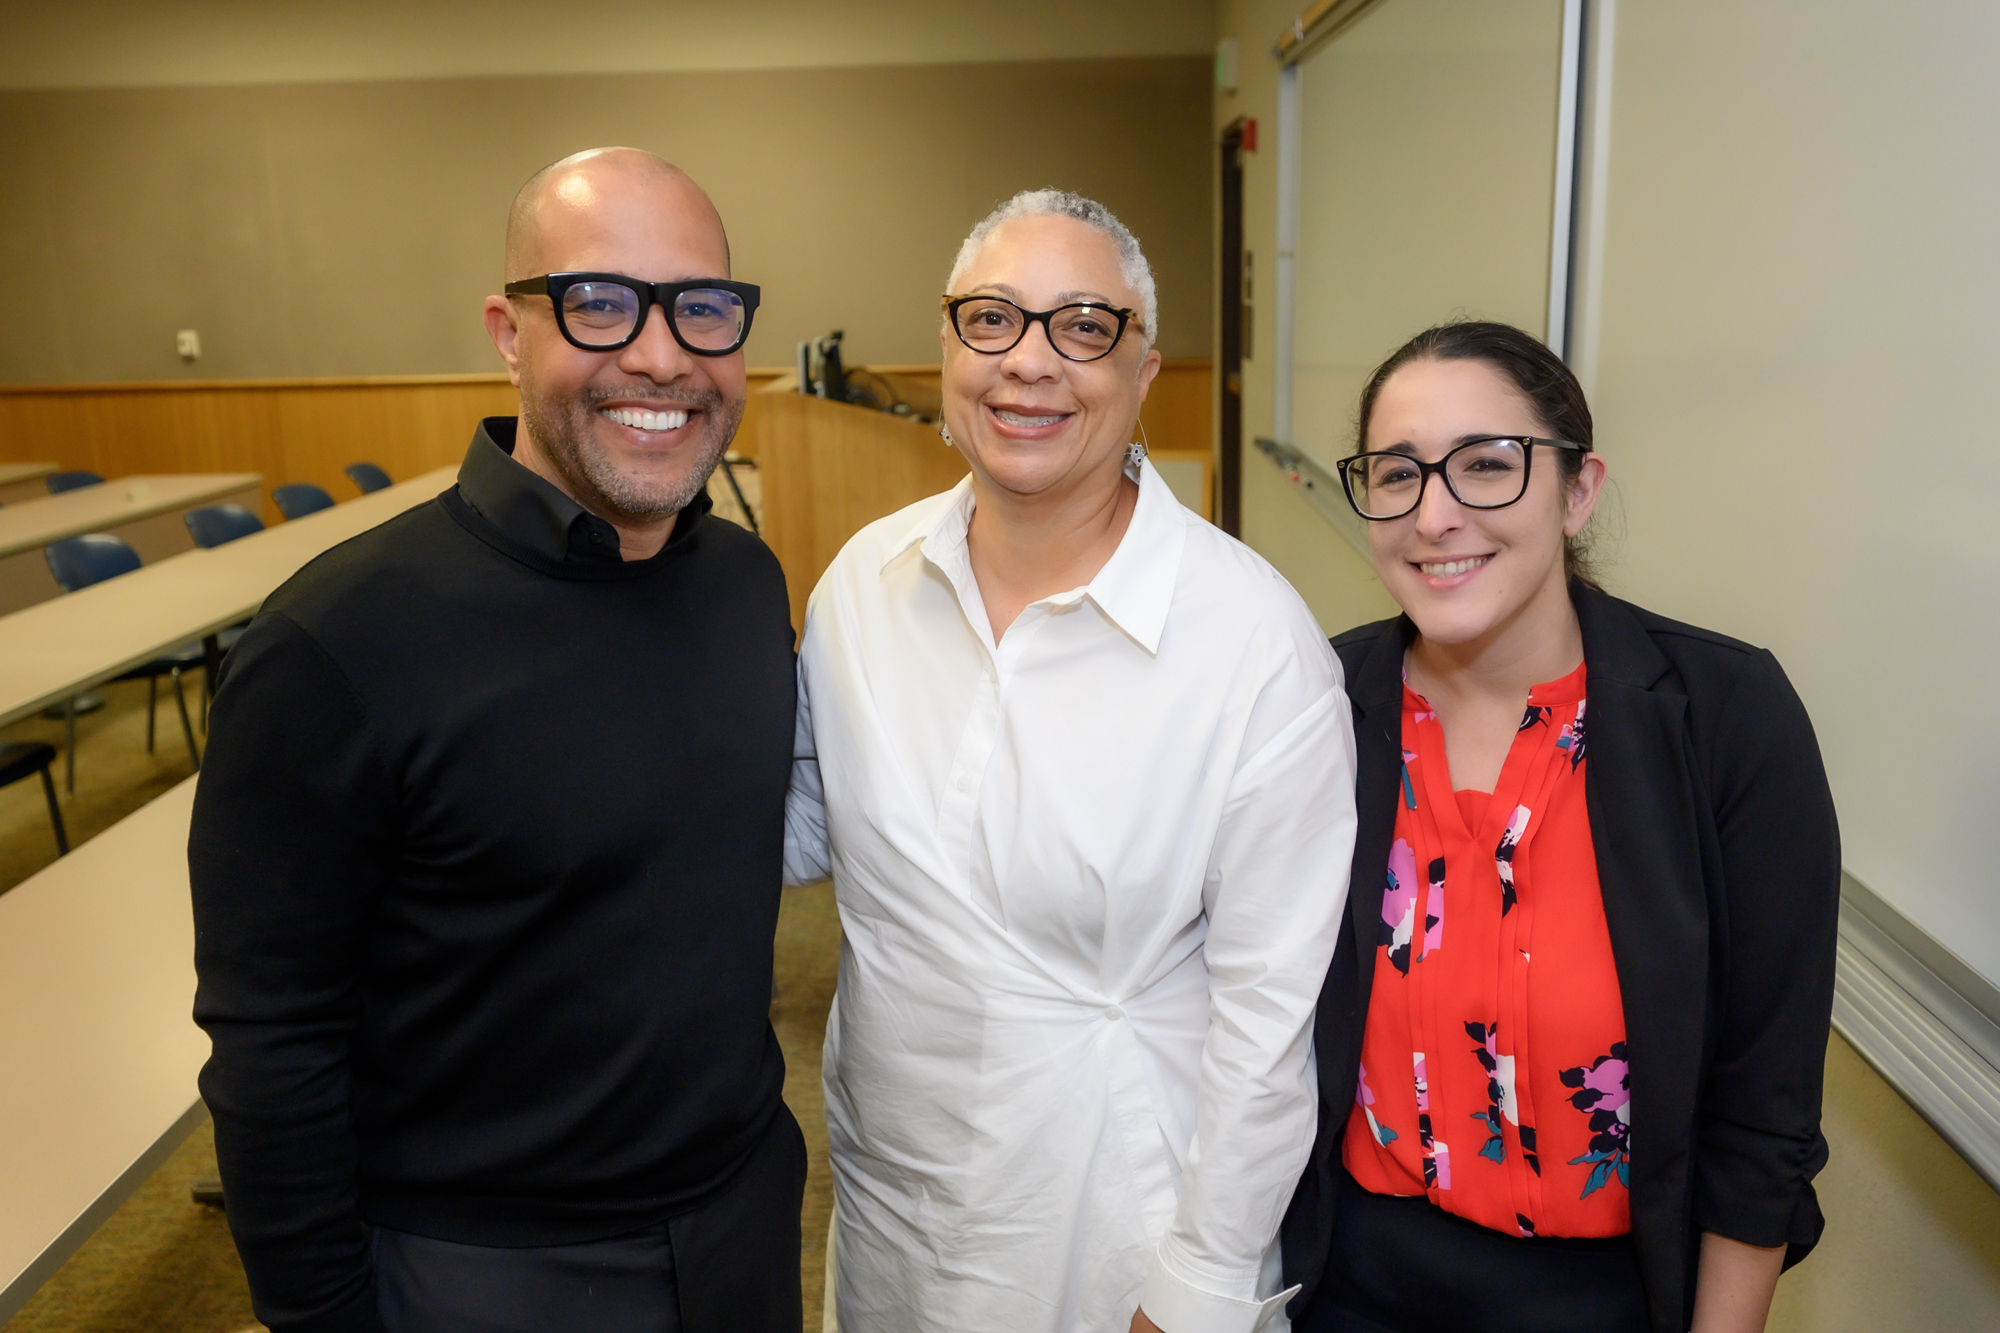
1423	196
127	43
1336	582
1794	272
1912	1233
335	229
1789	346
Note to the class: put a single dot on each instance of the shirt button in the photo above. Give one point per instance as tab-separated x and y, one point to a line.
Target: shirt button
1114	1013
596	538
963	783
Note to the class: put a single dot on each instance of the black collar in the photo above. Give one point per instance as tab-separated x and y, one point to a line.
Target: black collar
527	508
1379	678
1615	644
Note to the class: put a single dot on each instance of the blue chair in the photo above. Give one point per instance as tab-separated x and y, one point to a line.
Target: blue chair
299	499
72	481
20	758
79	562
214	525
367	476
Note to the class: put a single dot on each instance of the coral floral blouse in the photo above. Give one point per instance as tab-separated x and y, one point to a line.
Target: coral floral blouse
1493	1077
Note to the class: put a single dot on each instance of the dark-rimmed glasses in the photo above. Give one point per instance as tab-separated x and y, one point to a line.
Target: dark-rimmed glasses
1082	331
1487	472
602	312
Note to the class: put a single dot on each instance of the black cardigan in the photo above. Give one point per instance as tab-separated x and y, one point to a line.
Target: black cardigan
1719	862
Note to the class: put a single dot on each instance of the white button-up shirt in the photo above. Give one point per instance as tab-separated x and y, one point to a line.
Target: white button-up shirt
1089	879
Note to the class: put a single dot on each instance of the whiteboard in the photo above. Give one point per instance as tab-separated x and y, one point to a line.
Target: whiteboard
1784	301
1788	316
1425	148
1785	264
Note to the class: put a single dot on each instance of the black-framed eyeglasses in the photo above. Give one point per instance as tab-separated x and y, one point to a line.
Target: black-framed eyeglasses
602	312
1487	472
1079	332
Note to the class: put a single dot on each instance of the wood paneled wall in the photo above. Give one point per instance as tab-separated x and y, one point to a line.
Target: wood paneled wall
308	430
1178	415
827	470
289	430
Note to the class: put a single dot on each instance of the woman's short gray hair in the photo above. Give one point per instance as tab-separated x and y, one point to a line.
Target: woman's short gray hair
1132	266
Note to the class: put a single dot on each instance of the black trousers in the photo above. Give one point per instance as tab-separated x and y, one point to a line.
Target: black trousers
729	1265
1402	1265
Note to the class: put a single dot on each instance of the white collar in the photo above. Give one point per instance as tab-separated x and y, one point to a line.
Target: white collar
1135	588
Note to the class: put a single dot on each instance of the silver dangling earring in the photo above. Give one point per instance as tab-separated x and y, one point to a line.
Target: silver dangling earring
944	433
1135	452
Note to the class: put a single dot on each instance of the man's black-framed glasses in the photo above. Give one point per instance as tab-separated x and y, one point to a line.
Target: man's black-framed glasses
1487	472
602	312
1079	332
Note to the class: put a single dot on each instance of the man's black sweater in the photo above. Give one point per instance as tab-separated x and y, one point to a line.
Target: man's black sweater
486	860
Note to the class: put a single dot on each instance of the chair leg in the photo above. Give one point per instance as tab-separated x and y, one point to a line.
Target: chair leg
55	814
69	750
152	708
187	727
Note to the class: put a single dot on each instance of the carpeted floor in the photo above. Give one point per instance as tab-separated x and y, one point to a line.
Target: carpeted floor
163	1264
114	774
160	1264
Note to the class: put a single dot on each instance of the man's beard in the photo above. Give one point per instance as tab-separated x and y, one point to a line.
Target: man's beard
563	429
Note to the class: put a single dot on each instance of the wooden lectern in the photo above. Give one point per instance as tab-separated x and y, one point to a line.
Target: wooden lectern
828	470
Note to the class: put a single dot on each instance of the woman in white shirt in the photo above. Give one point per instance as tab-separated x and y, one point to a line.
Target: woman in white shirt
1081	769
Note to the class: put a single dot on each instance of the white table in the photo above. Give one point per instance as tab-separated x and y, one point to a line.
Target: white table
24	481
62	647
98	1048
97	1042
145	510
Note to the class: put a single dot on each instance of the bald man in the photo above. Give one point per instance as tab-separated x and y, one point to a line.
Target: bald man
486	852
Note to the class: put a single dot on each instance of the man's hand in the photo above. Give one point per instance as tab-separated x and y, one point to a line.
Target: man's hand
1141	1324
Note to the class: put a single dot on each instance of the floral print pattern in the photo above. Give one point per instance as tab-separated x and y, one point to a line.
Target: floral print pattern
1499	1086
1503	856
1514	1020
1365	1098
1434	909
1570	741
1603	1094
1437	1157
1399	905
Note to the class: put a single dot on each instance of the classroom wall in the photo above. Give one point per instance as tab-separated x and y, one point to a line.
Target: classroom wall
1786	330
309	430
134	43
1770	166
1422	197
1333	577
352	228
